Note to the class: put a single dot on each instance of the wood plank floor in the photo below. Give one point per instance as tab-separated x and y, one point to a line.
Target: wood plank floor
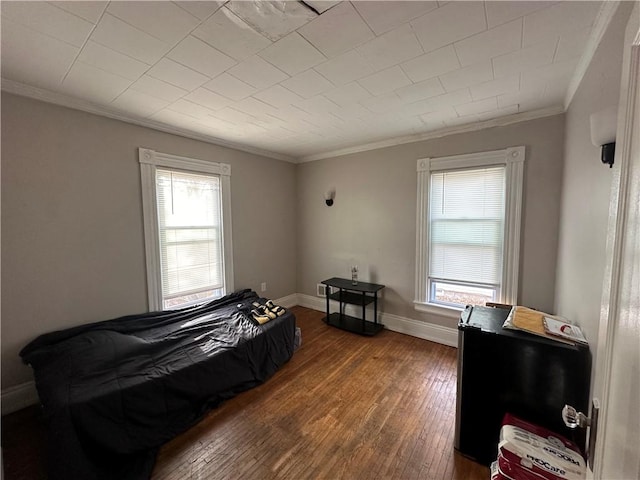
344	407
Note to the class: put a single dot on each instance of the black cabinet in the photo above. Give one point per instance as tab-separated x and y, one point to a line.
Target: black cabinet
361	294
502	370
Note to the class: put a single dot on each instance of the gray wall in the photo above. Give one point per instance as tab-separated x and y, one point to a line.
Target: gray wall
72	231
373	220
586	188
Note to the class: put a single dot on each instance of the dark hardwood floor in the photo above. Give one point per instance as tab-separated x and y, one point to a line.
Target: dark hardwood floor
344	407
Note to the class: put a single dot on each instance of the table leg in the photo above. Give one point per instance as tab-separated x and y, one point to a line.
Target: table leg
375	307
327	289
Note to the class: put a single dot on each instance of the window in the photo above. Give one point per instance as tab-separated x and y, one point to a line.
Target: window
187	216
468	225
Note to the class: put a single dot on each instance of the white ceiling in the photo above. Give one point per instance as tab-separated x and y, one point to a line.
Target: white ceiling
279	77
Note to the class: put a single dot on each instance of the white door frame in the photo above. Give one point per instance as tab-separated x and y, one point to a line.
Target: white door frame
620	256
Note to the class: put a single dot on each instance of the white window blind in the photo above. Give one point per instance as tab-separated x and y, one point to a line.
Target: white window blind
468	220
189	228
466	224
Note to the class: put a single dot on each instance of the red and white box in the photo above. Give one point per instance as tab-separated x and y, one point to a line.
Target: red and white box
530	452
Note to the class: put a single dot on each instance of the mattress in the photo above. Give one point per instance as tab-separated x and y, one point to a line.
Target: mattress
113	392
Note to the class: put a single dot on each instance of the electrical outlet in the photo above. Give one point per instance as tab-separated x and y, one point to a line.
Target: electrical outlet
263	287
321	290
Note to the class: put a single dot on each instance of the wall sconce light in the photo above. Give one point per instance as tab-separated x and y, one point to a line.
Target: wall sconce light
329	195
603	133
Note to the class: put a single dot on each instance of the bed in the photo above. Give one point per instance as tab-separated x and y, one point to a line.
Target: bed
113	392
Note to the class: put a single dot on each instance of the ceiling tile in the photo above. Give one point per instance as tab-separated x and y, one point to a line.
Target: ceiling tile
45	18
481	106
292	54
496	87
162	20
230	114
138	103
500	112
278	96
337	30
201	57
450	23
421	90
177	75
525	59
525	98
490	43
317	105
501	12
347	95
158	88
229	34
122	37
560	72
438	117
273	19
208	99
307	84
558	19
174	119
230	87
554	93
436	103
93	84
385	81
467	76
383	103
201	9
346	68
190	108
257	72
351	112
90	11
112	61
34	58
440	102
572	46
391	48
219	124
255	107
432	64
325	105
382	16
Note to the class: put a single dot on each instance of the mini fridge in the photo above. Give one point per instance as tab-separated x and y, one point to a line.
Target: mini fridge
508	371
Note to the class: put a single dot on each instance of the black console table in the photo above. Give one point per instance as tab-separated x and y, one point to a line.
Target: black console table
362	294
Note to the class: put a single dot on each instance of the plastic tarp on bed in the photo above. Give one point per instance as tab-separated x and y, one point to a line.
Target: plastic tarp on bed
113	392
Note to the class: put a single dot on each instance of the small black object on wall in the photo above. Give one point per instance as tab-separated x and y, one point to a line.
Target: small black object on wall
603	133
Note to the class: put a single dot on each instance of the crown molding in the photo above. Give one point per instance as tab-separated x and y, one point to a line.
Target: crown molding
48	96
600	25
444	132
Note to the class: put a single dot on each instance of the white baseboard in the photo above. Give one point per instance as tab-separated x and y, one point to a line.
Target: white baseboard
409	326
288	301
16	398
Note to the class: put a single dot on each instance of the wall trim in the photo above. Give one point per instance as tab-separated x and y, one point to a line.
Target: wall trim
472	127
48	96
288	301
409	326
600	25
18	397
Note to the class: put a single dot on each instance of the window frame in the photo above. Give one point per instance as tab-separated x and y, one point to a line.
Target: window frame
512	159
150	160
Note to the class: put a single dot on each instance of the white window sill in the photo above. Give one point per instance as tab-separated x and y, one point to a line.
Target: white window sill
433	308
